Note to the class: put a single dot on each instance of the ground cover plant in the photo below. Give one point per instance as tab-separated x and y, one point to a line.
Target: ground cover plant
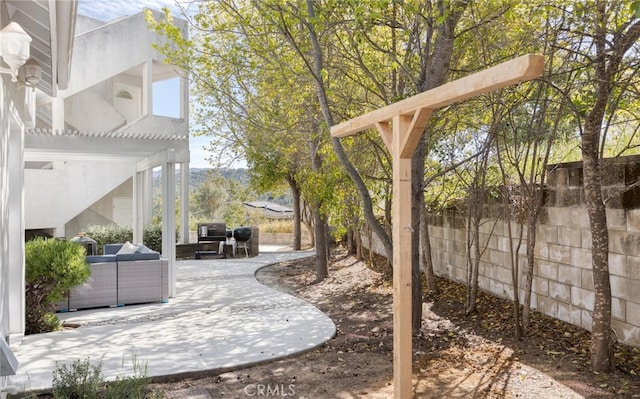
83	379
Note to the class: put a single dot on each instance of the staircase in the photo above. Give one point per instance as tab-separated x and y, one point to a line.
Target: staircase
55	196
104	110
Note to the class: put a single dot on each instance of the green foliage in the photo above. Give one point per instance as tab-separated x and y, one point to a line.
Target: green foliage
109	234
133	387
208	201
635	8
257	96
79	380
83	380
152	237
117	234
52	267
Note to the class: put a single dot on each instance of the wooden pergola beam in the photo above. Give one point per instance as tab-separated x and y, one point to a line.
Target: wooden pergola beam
518	70
401	126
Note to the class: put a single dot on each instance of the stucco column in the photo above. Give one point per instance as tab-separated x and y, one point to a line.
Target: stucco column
57	113
138	206
15	236
169	217
147	88
147	197
184	202
184	104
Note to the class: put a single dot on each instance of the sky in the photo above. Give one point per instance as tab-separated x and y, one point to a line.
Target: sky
106	10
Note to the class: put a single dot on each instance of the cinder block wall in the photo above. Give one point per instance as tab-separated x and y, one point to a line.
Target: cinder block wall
563	281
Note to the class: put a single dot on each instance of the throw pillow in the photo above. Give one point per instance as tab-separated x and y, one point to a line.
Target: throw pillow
143	249
127	248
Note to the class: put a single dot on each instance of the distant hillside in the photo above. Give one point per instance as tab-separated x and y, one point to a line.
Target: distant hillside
197	176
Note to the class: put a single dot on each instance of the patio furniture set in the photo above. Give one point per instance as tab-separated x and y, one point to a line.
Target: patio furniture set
126	274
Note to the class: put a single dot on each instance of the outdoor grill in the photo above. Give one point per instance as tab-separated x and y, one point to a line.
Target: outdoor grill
210	233
88	243
242	235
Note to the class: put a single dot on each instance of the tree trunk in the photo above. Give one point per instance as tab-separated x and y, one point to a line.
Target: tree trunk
363	191
610	50
319	222
473	255
427	262
307	220
370	237
513	257
350	241
477	198
297	215
601	343
532	223
322	261
434	68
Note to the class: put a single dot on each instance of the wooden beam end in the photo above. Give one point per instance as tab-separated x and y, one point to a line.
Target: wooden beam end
533	66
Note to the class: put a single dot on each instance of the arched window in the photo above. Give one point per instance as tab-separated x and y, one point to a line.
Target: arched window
124	94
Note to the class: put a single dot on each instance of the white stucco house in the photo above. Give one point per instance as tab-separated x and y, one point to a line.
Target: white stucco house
79	139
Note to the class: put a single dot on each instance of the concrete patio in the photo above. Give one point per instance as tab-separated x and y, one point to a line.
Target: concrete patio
222	317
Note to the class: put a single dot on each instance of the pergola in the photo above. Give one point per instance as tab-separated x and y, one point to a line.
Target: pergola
401	126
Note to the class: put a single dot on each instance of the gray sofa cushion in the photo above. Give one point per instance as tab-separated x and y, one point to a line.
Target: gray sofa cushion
100	258
143	253
137	256
112	249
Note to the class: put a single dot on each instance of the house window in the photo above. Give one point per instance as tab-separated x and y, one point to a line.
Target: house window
167	98
124	94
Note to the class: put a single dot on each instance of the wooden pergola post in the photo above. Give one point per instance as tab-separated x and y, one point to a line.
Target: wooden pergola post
401	125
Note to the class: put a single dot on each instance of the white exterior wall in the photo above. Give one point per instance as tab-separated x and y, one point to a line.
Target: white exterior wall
54	197
106	57
113	54
88	164
110	50
15	110
4	214
91	110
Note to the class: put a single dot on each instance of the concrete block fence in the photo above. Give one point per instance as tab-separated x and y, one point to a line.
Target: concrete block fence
563	280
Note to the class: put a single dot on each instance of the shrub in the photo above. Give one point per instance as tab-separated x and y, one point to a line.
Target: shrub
115	233
79	380
52	267
109	234
152	237
134	387
82	380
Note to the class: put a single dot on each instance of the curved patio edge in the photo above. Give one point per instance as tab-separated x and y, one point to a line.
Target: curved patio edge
222	318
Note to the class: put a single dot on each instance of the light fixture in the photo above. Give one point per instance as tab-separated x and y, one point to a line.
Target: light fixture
30	73
14	48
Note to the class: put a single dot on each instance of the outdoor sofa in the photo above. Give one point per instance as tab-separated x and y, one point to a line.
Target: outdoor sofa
126	274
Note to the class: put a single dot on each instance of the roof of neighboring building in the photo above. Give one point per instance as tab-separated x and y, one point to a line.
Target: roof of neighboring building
271	210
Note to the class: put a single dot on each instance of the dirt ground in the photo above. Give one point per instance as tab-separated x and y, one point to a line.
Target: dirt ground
454	356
